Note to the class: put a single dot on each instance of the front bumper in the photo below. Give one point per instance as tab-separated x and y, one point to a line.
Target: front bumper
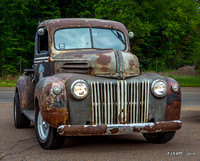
86	130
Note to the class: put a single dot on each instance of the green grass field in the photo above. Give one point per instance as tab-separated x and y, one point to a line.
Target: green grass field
184	81
187	81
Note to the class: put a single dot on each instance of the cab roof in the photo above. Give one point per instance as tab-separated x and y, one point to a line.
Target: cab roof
54	24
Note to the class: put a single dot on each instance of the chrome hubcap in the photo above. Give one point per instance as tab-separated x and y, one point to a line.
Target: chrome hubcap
43	127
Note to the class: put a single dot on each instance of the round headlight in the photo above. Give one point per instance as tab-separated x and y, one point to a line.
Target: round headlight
79	89
57	90
159	88
174	88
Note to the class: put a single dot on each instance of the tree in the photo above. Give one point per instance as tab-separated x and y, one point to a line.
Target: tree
19	20
163	29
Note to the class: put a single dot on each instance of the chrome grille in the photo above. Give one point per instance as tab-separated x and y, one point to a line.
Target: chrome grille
121	102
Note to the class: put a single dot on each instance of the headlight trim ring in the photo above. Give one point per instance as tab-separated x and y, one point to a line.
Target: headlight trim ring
153	91
72	88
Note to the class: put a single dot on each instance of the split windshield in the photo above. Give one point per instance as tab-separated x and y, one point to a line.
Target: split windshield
84	38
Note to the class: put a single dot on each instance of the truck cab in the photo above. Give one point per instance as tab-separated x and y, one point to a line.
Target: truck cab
85	81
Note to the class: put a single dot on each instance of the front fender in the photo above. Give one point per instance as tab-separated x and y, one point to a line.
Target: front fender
53	107
25	88
173	108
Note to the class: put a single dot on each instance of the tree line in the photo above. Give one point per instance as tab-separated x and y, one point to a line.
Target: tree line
167	32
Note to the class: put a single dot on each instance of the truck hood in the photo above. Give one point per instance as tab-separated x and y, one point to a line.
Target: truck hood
105	63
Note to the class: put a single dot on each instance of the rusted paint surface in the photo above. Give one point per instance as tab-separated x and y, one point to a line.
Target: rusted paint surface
84	130
79	130
104	60
131	63
25	88
100	63
123	120
56	117
114	130
159	127
53	107
173	108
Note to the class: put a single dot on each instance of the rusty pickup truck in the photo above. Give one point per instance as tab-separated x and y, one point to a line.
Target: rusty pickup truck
85	81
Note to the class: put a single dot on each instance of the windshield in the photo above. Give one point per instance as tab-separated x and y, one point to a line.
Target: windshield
84	38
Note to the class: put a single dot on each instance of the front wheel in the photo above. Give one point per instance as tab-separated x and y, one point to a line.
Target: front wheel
20	120
47	136
160	137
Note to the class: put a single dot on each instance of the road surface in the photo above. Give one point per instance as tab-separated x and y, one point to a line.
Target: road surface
21	144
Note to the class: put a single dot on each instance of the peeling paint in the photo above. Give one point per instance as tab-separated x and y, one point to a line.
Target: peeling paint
173	108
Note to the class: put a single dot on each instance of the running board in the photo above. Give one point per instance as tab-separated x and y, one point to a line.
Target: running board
30	114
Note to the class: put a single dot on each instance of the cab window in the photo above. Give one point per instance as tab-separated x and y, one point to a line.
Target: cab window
42	41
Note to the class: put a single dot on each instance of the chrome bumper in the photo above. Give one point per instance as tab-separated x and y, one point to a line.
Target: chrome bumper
86	130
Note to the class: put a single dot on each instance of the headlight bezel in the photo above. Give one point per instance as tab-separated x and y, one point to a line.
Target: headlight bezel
72	89
153	85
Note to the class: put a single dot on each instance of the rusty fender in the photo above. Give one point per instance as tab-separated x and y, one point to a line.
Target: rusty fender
173	108
86	130
25	89
53	107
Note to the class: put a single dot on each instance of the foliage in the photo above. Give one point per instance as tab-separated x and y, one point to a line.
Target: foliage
167	32
18	23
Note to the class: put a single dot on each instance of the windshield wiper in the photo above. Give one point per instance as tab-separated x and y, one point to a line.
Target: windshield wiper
118	35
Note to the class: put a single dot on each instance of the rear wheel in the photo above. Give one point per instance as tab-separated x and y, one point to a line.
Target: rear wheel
160	137
20	120
47	136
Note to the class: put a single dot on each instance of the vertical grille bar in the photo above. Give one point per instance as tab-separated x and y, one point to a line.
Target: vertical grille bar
95	103
98	103
137	107
92	103
147	102
142	102
131	104
134	103
118	101
108	96
122	100
125	101
105	104
111	98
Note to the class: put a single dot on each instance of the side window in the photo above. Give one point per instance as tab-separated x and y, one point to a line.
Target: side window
42	41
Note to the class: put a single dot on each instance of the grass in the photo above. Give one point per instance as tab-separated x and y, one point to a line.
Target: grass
184	81
187	81
8	80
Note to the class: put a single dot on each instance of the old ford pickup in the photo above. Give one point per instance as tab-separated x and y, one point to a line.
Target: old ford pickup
85	81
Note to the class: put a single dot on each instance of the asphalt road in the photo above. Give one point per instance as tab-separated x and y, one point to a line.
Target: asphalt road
21	144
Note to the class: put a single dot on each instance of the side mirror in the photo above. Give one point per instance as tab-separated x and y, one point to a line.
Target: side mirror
130	34
40	31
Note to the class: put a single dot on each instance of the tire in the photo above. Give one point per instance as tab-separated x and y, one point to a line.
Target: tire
20	120
47	136
159	138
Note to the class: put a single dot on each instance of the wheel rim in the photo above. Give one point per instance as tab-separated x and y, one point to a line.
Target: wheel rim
43	127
